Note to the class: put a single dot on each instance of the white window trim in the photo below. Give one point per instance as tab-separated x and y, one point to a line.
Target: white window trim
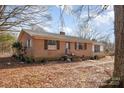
52	47
96	49
93	48
29	43
101	48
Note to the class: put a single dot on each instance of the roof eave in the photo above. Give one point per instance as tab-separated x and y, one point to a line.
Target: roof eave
61	39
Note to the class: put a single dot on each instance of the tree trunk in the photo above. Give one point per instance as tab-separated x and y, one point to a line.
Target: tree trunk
119	42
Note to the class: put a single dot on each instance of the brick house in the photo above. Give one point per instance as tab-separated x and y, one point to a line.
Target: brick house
49	45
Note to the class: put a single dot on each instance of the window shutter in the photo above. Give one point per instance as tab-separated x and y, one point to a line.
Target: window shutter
75	45
58	44
69	45
27	43
85	46
45	44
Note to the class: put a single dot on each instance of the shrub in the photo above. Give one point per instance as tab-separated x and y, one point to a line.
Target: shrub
44	60
17	57
85	58
14	55
92	58
76	58
96	57
66	58
22	58
17	45
52	59
40	60
29	59
61	59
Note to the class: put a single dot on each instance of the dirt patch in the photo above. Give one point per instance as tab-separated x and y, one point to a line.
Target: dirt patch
76	74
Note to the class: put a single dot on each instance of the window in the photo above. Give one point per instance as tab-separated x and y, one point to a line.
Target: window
51	44
29	43
97	48
79	46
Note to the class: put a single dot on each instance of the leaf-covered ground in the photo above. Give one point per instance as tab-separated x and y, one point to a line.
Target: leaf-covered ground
91	73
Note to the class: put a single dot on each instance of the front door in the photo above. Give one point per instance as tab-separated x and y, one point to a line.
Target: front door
66	47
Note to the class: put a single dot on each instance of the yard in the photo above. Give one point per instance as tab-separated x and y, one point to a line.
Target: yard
90	73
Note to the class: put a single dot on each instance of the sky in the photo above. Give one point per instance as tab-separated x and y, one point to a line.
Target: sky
68	19
103	23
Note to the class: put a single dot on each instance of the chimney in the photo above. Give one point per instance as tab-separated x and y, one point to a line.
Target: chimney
94	40
62	33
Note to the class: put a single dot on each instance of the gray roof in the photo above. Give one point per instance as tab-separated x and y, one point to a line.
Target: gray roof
42	32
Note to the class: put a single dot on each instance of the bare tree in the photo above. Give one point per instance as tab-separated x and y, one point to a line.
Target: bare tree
91	34
83	14
23	15
92	12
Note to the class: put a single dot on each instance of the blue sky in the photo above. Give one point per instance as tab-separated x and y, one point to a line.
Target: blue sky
55	12
102	23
